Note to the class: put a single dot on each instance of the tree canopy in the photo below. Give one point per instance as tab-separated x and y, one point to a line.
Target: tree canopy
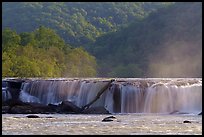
42	53
167	43
78	23
111	39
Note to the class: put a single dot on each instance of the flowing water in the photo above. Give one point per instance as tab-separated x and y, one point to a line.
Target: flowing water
126	124
142	106
122	96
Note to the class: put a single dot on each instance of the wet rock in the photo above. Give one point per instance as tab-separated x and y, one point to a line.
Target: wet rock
18	107
32	116
49	117
13	86
112	80
116	98
68	107
14	102
5	109
173	112
178	112
14	106
20	110
96	110
54	108
186	121
110	118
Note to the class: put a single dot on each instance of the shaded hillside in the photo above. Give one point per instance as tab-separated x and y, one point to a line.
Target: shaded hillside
167	43
78	23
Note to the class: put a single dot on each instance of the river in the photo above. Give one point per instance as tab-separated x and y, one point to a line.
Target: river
141	106
82	124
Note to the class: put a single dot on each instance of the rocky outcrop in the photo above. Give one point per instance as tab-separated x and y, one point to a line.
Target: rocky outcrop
96	110
18	107
13	86
66	107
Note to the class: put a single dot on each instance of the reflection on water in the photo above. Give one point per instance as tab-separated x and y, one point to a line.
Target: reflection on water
127	124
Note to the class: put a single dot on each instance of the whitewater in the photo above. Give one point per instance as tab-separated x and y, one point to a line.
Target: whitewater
142	106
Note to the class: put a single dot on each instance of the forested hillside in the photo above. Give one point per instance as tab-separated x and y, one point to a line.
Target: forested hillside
42	53
123	39
167	43
78	23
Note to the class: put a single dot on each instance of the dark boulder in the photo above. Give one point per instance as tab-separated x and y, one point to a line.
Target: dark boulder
96	110
186	121
178	112
68	107
13	106
14	87
110	118
32	116
54	108
5	109
20	110
14	102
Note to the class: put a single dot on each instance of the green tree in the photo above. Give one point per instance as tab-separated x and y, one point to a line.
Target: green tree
46	38
25	55
80	64
127	71
10	39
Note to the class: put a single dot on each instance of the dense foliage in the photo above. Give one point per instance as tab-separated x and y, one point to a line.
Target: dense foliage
137	39
78	23
42	53
167	43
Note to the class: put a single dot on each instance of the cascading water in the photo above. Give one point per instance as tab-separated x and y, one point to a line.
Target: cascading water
5	92
167	97
79	92
123	96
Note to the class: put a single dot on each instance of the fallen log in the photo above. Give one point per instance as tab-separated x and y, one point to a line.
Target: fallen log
98	95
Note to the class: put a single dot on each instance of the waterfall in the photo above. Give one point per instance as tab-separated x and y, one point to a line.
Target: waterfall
166	98
5	92
5	95
79	92
123	96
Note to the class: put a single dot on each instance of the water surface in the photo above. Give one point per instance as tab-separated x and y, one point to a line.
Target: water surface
81	124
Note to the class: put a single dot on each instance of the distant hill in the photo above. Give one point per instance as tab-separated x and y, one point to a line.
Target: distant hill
78	23
128	39
167	43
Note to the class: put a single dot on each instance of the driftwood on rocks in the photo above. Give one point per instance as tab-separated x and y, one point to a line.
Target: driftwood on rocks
16	106
98	95
66	107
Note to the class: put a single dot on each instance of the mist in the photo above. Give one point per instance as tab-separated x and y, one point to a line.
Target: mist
178	59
